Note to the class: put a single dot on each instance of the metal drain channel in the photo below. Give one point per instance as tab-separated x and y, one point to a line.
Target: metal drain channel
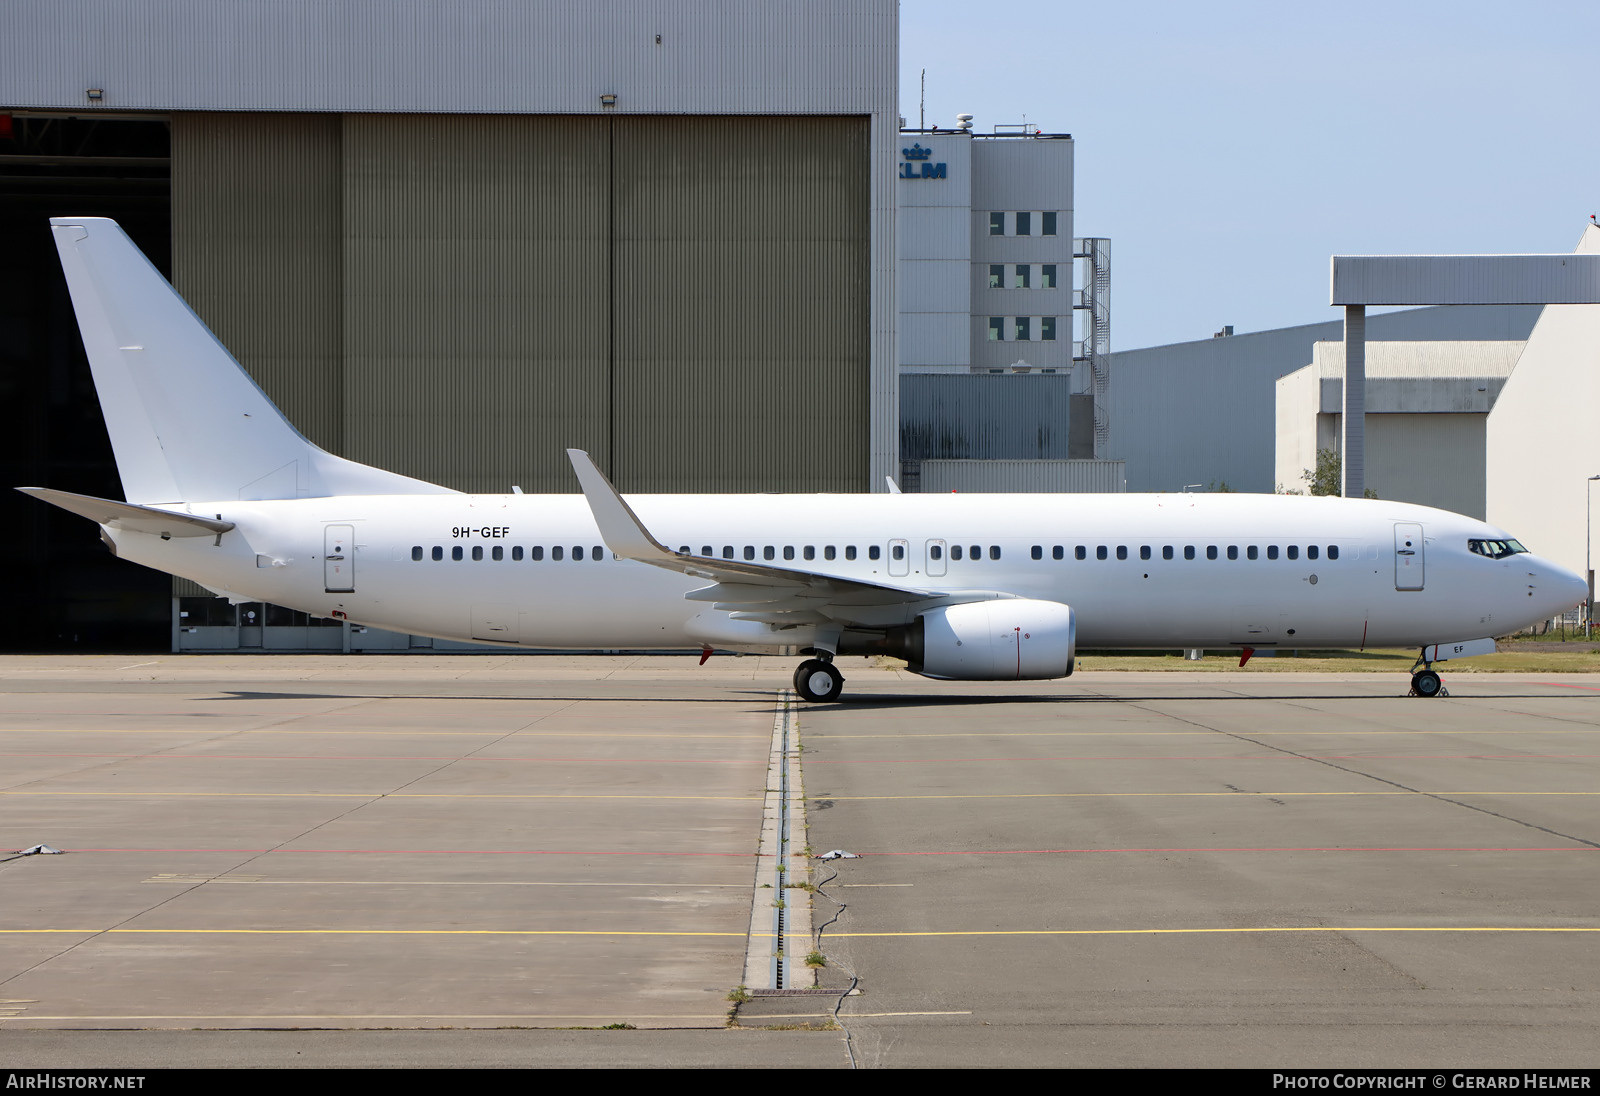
780	916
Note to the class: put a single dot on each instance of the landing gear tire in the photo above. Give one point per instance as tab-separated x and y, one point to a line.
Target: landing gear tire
818	681
1426	683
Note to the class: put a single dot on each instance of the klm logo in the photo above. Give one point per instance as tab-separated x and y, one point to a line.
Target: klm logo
917	165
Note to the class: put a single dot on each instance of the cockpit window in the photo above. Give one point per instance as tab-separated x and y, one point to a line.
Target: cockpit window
1495	549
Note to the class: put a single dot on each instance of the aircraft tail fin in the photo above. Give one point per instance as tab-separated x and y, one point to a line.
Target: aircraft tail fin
186	421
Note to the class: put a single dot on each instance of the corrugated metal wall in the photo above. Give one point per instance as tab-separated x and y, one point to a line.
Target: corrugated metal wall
741	303
1017	476
978	416
256	224
476	275
460	298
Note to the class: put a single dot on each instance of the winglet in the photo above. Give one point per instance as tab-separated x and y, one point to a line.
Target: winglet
620	527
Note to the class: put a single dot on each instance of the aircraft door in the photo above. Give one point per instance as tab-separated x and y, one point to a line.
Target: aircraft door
1408	557
899	558
935	563
339	559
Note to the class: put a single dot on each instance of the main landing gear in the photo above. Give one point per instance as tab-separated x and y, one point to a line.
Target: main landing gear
1425	682
818	679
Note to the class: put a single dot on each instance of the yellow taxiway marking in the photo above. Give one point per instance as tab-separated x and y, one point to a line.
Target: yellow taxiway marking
719	1016
832	935
387	795
1222	931
1153	795
372	932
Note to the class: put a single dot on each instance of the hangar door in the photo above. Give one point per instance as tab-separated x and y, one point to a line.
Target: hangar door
462	297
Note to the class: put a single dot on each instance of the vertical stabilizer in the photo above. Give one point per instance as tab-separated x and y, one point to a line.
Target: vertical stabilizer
186	421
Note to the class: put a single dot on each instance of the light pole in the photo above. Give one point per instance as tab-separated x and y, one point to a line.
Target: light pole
1588	539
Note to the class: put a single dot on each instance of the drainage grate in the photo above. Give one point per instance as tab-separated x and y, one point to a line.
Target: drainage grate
809	991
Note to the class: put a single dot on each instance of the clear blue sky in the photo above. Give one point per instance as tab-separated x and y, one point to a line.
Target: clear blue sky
1229	148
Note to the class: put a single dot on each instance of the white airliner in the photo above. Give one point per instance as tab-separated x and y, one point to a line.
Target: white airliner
221	489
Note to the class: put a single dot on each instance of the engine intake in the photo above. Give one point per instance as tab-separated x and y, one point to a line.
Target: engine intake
1011	639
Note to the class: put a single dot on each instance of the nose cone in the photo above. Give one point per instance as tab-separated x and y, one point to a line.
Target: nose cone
1559	588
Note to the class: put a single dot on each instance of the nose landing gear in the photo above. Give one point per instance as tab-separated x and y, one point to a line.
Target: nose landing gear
818	680
1425	682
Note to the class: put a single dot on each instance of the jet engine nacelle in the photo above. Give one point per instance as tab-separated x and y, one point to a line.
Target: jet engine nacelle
1012	639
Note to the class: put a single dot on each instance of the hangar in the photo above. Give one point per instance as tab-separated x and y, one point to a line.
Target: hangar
663	232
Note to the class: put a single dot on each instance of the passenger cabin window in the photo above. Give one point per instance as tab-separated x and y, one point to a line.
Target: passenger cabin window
705	549
749	551
456	553
898	551
577	551
477	551
1058	552
516	552
1233	551
935	552
727	551
1333	551
536	553
556	553
1188	551
416	553
994	551
1294	551
1166	551
849	551
1122	551
955	551
1144	551
874	552
498	552
1081	552
1100	552
1311	551
767	552
597	553
1211	551
1251	552
1272	551
438	552
1037	551
810	552
827	552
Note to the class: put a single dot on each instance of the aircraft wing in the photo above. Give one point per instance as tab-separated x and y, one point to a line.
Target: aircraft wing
125	515
744	589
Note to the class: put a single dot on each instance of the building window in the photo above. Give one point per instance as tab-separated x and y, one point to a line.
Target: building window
1047	276
1024	224
1047	328
1047	224
1023	276
1022	329
997	224
997	328
997	275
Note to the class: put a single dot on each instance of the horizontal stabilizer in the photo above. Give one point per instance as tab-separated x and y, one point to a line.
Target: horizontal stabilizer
135	519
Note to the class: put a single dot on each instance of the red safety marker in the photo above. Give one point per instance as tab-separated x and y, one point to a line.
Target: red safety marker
1245	657
705	653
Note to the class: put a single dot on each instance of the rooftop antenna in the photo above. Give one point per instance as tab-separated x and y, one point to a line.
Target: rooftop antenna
922	101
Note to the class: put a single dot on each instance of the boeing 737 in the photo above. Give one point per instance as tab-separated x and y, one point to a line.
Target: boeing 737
222	489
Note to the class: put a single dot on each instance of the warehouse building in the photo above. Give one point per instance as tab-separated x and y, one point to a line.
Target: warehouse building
453	247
